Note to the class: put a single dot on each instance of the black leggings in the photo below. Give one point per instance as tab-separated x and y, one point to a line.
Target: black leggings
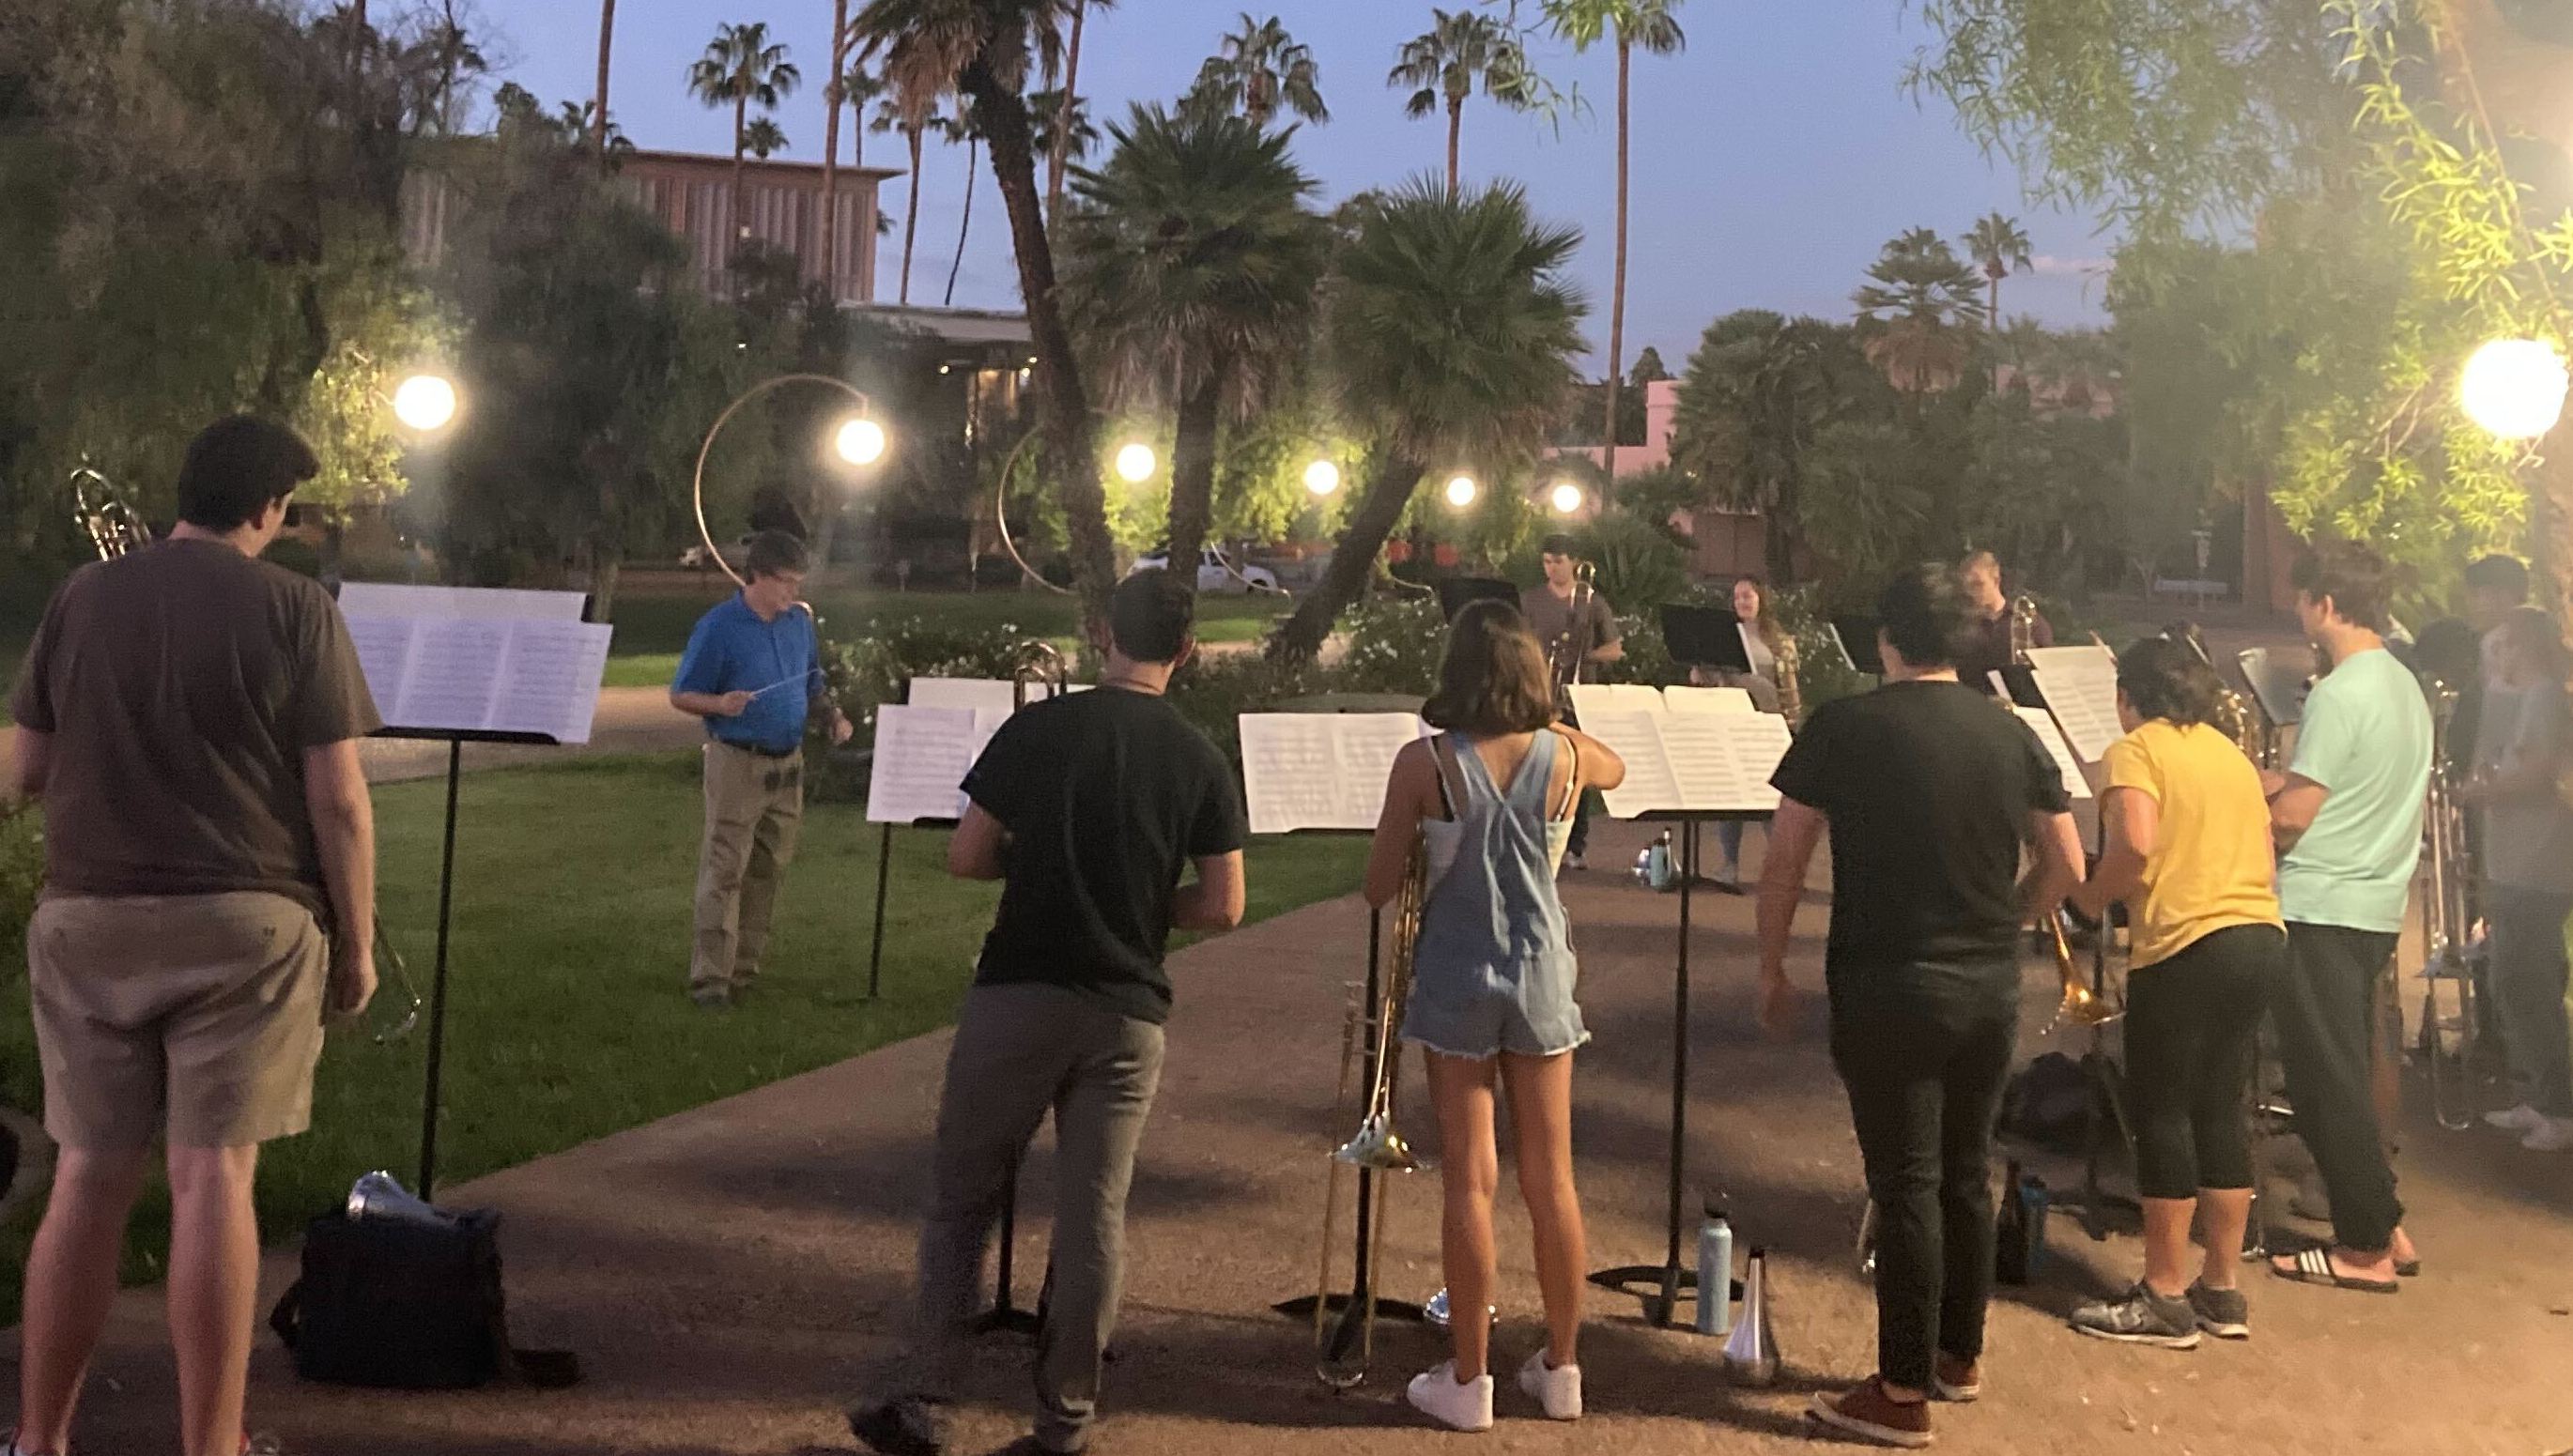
2190	1022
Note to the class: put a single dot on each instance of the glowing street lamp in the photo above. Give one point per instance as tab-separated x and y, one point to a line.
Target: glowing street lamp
1566	497
1136	463
1462	491
861	442
2515	387
1322	477
426	402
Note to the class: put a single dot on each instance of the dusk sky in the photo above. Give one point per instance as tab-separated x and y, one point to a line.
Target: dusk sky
1772	159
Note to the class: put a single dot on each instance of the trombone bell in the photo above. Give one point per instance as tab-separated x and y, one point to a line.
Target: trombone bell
2082	1005
1380	1147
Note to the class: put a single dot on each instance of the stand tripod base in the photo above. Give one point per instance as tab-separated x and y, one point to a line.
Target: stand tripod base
1661	1287
1005	1321
1302	1306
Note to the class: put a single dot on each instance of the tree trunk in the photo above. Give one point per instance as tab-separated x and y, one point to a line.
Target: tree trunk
1193	468
832	96
1061	154
911	218
1071	430
1352	560
602	586
607	47
1617	296
1777	548
973	171
740	124
1455	143
1996	335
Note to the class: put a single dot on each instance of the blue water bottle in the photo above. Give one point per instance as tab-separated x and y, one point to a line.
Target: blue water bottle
1714	1274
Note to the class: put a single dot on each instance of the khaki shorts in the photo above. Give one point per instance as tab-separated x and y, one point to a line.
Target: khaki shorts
192	1017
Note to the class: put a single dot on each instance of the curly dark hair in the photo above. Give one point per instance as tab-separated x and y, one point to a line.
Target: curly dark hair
2167	680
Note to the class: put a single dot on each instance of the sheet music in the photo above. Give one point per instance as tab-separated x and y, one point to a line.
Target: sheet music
453	674
2081	656
475	674
383	656
977	694
1708	762
921	759
397	599
2053	737
1606	697
1708	700
550	677
2084	697
1319	770
1635	735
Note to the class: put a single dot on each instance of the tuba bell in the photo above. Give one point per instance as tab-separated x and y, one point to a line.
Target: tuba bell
113	527
2082	1005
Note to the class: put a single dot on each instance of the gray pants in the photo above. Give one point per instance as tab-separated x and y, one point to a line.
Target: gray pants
2527	977
1019	1050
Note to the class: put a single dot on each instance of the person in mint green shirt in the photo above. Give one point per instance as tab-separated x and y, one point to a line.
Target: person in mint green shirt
2348	819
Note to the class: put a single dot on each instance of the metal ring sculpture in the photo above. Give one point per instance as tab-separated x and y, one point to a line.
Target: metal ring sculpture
697	486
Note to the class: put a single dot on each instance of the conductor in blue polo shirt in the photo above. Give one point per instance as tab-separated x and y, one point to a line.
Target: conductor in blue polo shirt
753	671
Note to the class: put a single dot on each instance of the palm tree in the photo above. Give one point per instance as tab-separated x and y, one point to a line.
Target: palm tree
763	137
1258	70
1192	265
1458	52
1918	312
1652	25
856	86
1452	332
606	48
739	67
893	116
835	88
1063	120
2001	247
984	50
1759	391
1057	157
962	129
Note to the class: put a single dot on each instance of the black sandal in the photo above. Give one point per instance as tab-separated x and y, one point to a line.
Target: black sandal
2315	1267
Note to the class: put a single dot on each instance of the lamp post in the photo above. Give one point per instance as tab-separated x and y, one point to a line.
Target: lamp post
859	441
1462	491
1322	478
2514	388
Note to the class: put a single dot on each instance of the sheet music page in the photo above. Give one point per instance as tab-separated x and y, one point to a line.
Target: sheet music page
2081	656
1367	744
2047	733
453	674
1635	735
1724	761
1291	773
2083	698
921	758
973	694
383	656
549	678
1708	700
399	599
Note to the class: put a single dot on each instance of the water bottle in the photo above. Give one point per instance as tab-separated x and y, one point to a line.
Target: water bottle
1714	1274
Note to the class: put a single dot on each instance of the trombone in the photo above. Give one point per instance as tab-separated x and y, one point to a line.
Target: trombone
113	527
1567	654
2447	1040
1036	670
1343	1345
2083	1003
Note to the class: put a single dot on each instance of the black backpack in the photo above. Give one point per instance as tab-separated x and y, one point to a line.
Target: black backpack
402	1305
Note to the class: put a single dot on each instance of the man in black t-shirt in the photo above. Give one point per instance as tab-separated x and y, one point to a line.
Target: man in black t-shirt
1931	794
1088	807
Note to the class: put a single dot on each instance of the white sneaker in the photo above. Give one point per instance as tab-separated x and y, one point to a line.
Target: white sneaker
1464	1407
2521	1118
2551	1135
1555	1387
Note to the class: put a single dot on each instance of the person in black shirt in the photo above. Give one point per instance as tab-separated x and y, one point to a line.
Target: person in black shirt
1985	647
1088	807
1931	796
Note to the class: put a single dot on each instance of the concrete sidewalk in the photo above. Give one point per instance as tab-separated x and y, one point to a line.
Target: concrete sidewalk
729	1276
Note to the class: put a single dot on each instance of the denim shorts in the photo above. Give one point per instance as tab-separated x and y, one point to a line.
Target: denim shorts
1483	1010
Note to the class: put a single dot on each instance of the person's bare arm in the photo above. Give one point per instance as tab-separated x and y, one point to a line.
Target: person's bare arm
30	757
2293	809
2055	844
1794	834
711	705
975	853
1216	901
1601	768
2131	821
1408	789
343	836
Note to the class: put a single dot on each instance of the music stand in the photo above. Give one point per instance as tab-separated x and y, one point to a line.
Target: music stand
1857	639
1456	593
2021	681
1702	636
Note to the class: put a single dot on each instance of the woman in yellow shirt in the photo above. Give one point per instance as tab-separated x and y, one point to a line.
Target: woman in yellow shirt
2188	847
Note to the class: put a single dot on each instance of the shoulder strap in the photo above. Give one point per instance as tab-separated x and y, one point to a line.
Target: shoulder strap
1571	776
1443	754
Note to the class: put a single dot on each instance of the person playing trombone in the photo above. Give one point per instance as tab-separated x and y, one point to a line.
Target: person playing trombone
1577	629
1491	993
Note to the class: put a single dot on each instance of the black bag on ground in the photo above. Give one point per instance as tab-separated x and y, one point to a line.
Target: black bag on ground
404	1305
2048	1104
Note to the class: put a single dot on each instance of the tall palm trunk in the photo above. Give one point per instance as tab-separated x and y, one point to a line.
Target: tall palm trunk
1354	556
911	217
606	48
1061	156
973	170
832	96
1071	434
1455	142
1617	299
1193	469
1996	331
740	128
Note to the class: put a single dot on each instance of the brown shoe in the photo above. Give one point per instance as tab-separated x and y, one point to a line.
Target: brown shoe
1951	1379
1866	1412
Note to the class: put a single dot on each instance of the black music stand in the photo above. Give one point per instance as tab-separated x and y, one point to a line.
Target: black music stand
1703	636
1857	639
1456	593
1665	1284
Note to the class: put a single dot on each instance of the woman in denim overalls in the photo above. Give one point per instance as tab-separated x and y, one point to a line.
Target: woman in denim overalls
1490	800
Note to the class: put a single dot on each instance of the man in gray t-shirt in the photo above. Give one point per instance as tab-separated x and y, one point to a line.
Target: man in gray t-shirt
1578	630
2520	756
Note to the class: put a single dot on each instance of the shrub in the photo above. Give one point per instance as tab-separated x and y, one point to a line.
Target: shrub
874	666
1214	692
1641	567
1395	646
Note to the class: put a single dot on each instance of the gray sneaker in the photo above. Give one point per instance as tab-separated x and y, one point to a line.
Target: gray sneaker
2223	1313
2141	1317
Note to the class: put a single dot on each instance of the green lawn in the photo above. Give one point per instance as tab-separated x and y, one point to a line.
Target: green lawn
566	1019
